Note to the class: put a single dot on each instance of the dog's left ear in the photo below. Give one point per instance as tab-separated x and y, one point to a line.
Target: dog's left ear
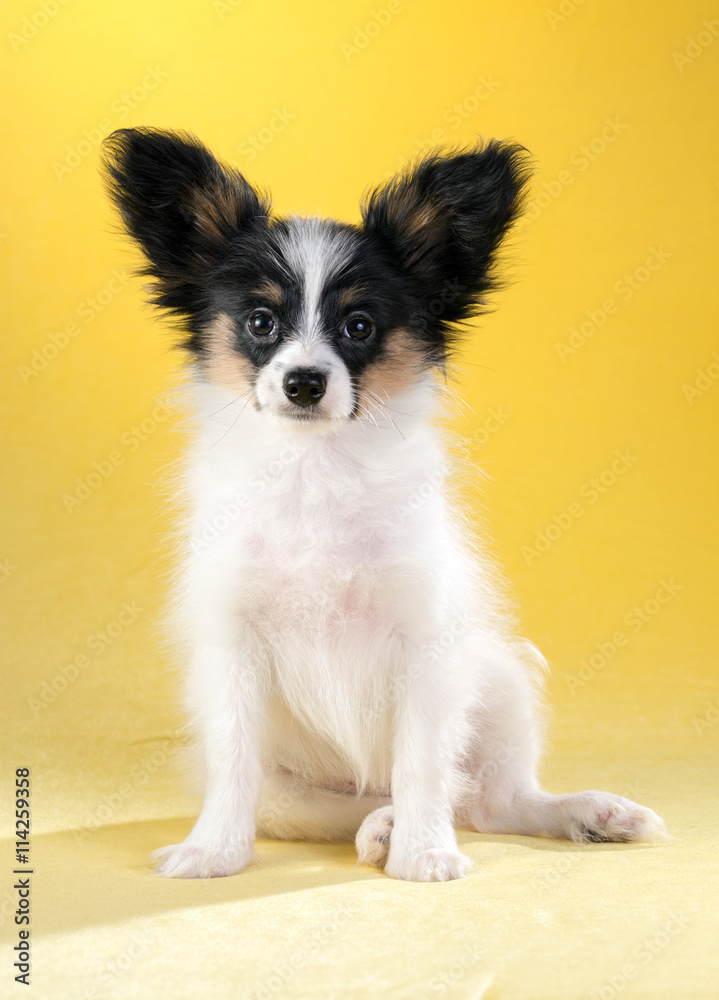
442	222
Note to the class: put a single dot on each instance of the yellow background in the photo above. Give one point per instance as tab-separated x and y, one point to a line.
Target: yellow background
537	919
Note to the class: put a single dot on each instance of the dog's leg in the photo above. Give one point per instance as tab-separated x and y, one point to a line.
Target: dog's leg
423	844
291	809
225	697
585	817
507	796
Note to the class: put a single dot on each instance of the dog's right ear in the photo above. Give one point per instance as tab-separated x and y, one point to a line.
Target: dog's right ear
180	205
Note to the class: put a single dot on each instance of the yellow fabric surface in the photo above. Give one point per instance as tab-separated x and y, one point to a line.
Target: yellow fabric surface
593	402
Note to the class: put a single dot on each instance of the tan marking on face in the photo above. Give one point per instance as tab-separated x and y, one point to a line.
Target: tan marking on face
223	362
270	291
350	295
402	362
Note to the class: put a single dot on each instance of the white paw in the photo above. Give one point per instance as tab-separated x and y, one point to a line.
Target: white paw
372	840
600	816
434	865
191	860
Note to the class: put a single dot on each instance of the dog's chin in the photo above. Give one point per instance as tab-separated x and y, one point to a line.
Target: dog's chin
308	421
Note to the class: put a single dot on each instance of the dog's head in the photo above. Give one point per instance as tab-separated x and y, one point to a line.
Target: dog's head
315	321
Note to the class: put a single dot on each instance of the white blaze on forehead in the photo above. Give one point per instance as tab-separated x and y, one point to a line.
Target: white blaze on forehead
314	252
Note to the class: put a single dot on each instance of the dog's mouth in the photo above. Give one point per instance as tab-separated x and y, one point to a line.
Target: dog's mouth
303	416
306	416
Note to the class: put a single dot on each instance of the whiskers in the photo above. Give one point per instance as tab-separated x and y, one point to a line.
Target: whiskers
378	407
246	396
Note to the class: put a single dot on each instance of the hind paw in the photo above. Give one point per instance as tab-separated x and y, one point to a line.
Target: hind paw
599	817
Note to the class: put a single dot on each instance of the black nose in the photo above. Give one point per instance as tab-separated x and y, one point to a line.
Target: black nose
304	386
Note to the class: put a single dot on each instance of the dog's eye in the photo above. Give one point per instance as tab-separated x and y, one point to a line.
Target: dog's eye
261	323
358	327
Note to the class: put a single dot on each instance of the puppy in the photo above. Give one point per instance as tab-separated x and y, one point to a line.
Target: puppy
353	673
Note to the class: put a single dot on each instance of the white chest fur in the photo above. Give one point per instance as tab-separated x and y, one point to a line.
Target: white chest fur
335	551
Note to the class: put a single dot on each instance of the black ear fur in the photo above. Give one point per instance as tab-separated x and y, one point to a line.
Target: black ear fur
443	220
180	205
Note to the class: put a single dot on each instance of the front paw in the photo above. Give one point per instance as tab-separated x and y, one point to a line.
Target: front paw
434	865
192	860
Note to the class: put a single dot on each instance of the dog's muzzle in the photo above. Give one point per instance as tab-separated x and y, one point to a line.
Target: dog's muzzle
304	386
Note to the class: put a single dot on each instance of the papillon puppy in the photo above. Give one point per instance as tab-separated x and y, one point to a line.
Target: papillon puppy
353	672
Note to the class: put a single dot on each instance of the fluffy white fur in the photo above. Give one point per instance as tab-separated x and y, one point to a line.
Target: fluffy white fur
352	671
